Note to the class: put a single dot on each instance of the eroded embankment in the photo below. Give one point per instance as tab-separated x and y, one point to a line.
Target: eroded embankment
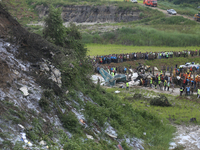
80	13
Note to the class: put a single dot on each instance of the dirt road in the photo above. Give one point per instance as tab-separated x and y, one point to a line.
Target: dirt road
165	12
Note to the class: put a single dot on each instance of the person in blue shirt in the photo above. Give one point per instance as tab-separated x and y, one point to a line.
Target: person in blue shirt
188	90
125	69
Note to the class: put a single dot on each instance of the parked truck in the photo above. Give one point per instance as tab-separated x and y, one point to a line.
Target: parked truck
197	17
152	3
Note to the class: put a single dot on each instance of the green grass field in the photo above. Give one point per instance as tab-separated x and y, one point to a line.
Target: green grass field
180	113
100	49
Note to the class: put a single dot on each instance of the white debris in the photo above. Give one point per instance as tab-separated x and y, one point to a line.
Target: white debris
43	143
22	127
117	91
67	92
90	137
155	69
132	83
30	144
95	79
134	76
178	77
144	133
111	135
24	89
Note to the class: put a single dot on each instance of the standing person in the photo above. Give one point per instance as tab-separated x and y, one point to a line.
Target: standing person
181	91
127	86
155	83
112	73
125	69
188	90
165	84
151	82
198	93
168	85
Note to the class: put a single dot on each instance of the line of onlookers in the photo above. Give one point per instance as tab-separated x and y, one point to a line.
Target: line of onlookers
116	58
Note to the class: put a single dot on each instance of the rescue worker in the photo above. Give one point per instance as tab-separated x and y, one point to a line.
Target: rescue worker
159	81
198	93
151	82
112	73
108	70
114	69
127	85
181	91
165	84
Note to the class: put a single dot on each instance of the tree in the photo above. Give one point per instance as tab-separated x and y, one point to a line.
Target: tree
54	30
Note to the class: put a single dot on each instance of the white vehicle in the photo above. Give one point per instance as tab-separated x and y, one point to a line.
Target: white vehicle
188	65
171	11
134	1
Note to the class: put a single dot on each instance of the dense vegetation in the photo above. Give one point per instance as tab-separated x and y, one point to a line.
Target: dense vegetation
142	36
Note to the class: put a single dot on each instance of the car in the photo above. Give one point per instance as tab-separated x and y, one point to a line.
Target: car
171	11
134	1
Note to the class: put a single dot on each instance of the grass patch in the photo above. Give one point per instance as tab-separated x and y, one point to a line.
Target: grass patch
182	110
100	49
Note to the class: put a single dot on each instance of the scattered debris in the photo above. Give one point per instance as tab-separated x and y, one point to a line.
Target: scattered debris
43	143
112	136
90	137
120	147
22	127
117	92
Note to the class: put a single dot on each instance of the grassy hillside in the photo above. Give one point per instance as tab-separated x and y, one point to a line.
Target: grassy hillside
183	8
21	10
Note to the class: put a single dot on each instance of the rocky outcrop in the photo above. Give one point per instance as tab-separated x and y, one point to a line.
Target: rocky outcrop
79	14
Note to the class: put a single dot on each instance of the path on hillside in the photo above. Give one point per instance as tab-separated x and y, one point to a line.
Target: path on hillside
165	12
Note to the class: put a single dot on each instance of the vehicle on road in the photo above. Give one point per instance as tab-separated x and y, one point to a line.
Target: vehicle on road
152	3
134	1
171	11
188	65
197	17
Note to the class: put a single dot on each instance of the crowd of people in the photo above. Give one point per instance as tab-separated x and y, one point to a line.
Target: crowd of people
117	58
185	78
